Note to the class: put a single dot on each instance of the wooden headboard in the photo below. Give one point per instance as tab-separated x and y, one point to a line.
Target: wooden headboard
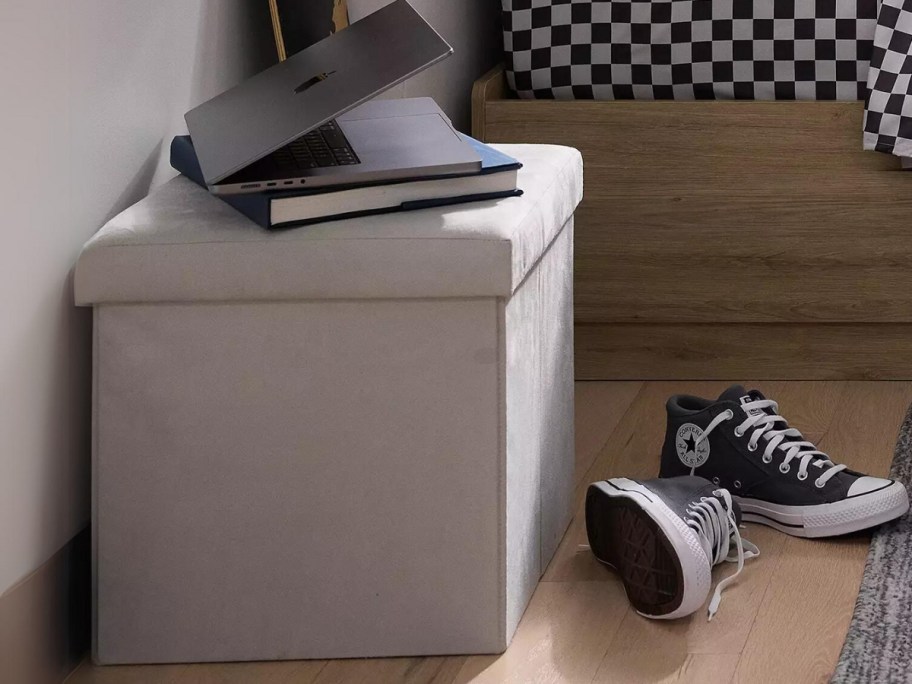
725	239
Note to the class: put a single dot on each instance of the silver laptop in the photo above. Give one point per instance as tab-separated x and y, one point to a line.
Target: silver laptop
285	127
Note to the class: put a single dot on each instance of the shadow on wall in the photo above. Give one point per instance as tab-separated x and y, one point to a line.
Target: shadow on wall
233	41
233	38
473	28
138	186
305	23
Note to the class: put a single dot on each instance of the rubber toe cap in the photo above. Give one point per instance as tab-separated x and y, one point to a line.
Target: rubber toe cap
866	484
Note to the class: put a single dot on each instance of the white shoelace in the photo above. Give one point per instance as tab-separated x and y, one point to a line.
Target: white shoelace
716	525
764	425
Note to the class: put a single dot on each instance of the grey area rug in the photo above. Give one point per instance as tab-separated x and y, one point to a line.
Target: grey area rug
878	646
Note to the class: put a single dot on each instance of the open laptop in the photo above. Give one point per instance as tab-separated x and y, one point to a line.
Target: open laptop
285	127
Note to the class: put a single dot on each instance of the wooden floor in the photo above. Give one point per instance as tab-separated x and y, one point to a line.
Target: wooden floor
783	621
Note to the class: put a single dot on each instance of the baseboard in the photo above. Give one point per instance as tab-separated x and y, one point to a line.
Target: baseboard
45	618
716	351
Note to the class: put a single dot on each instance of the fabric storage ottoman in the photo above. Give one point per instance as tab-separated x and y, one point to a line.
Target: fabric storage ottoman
353	439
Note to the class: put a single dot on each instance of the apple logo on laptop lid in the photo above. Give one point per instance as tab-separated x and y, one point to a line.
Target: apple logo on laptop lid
311	82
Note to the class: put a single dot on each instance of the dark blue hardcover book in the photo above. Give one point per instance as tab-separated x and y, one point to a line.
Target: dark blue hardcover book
291	208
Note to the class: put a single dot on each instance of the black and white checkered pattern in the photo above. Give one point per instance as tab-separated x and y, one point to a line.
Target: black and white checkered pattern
689	49
888	115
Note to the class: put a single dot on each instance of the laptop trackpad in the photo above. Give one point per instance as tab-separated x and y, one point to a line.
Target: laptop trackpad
406	141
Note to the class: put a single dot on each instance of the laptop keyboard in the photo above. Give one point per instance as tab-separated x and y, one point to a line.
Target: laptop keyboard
324	146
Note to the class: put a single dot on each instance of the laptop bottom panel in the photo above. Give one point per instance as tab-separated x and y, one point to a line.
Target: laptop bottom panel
358	151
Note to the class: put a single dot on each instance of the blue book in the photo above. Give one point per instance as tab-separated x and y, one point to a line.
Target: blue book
300	207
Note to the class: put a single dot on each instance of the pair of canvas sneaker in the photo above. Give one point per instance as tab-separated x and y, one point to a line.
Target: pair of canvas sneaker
723	461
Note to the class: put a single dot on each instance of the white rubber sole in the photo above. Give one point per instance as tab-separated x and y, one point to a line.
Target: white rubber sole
829	520
695	566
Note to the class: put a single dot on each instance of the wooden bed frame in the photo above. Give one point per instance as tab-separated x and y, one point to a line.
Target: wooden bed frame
727	239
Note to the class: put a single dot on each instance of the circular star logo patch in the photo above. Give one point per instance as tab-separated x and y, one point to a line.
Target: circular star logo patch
692	454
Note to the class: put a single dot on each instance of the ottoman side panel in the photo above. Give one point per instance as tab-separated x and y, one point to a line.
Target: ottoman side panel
522	320
556	386
297	480
538	322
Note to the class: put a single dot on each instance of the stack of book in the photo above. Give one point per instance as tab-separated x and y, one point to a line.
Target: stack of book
277	209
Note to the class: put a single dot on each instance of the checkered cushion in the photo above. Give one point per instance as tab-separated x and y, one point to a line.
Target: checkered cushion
888	115
689	49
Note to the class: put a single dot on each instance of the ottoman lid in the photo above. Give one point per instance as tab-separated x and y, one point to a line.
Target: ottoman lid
182	244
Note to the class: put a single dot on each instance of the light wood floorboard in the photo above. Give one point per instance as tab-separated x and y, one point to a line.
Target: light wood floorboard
563	636
600	406
784	620
391	671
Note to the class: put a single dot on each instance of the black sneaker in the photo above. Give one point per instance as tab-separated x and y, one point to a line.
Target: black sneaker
664	536
741	443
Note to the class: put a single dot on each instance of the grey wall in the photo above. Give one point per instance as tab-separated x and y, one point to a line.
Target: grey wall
304	22
92	93
472	27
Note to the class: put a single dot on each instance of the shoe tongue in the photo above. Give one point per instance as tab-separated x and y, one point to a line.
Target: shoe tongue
733	393
740	395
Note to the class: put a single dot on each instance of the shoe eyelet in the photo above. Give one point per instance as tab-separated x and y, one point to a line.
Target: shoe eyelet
737	484
819	484
767	459
751	448
715	480
731	414
802	476
784	468
739	432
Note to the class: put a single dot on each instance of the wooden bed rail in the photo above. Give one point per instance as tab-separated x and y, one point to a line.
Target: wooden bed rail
726	239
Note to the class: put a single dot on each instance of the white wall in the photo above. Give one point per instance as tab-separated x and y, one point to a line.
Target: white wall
92	92
472	27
